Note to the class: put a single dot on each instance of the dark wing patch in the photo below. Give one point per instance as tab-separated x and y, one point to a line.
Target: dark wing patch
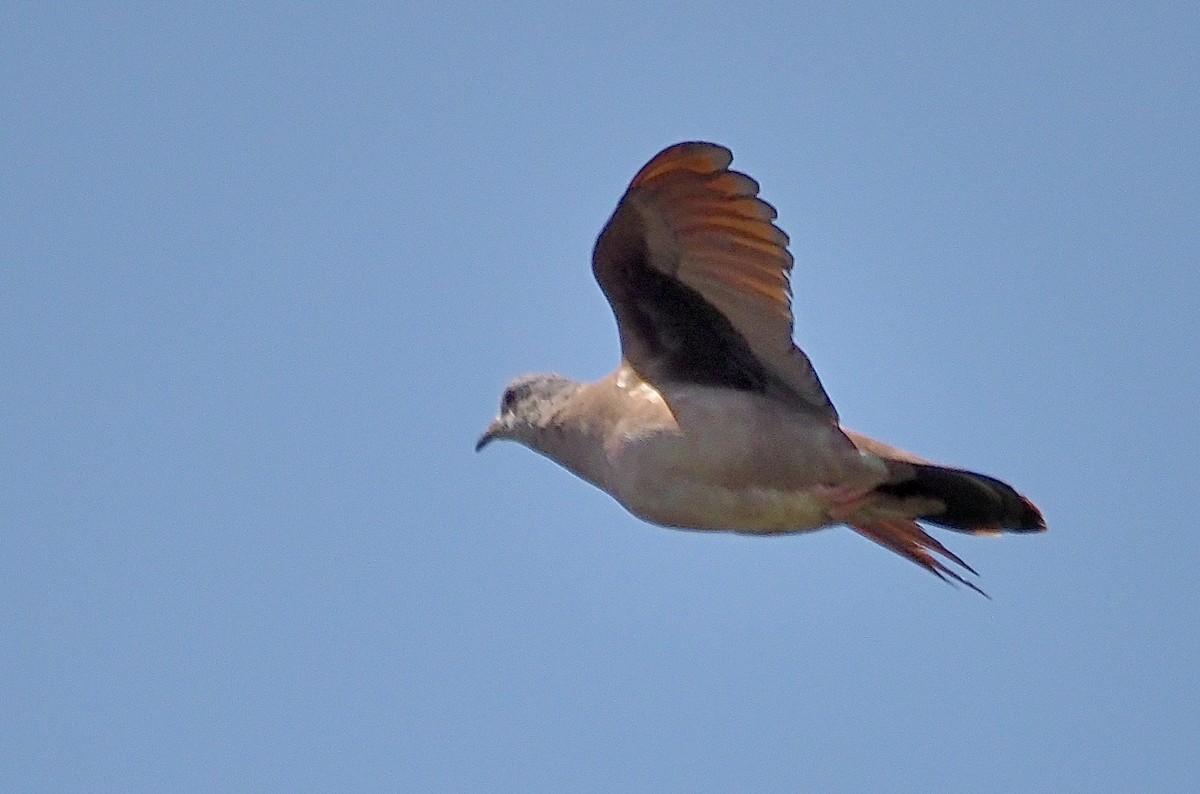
691	340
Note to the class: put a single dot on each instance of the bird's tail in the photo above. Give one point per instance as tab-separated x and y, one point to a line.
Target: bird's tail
973	503
907	539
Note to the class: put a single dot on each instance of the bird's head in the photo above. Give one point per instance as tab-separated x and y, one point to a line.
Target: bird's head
527	405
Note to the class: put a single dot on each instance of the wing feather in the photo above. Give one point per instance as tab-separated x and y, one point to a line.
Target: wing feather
697	274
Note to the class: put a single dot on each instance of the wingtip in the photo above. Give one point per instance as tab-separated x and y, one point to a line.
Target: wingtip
698	147
698	156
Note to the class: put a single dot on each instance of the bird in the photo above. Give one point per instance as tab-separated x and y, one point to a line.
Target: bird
715	419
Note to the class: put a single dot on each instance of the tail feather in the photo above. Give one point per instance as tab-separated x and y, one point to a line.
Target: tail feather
952	498
973	502
907	539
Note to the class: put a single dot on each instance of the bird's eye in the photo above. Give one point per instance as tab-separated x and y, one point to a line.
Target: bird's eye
506	402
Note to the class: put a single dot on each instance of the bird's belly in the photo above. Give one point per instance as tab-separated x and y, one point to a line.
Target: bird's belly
711	507
727	460
666	480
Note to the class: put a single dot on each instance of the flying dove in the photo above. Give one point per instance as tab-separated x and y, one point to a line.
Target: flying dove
715	419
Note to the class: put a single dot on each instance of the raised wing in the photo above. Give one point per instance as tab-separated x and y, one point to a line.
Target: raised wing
697	275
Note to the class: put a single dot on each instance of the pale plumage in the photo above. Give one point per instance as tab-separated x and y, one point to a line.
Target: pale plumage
715	420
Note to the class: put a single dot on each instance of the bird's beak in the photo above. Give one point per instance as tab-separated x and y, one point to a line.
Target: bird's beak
490	434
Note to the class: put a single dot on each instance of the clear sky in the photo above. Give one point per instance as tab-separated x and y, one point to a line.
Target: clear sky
266	268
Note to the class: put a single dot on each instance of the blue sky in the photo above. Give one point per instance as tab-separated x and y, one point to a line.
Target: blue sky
267	266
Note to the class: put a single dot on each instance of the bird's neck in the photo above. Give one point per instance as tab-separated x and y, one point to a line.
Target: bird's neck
574	435
575	446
